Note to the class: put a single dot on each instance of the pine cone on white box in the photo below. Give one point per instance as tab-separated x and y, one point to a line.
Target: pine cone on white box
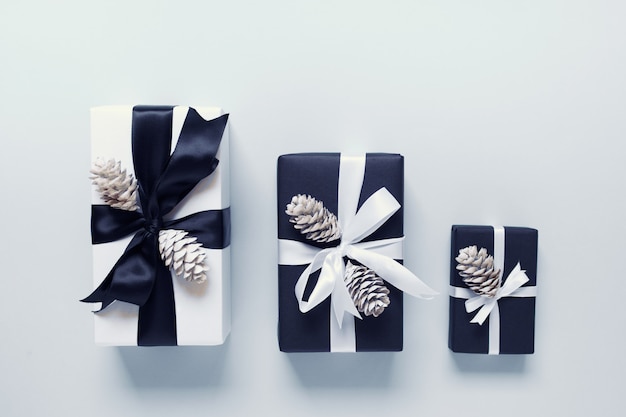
368	290
477	270
313	219
183	255
117	188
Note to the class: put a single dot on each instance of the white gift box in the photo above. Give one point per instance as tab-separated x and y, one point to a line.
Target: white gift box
202	310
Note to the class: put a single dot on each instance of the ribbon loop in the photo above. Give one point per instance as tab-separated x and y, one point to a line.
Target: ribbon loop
376	210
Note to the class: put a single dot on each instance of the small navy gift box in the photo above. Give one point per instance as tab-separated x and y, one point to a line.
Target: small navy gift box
503	320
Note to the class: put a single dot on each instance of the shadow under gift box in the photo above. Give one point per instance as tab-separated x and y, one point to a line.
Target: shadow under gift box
517	314
316	174
202	310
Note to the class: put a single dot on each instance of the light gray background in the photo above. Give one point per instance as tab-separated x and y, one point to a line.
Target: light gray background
507	112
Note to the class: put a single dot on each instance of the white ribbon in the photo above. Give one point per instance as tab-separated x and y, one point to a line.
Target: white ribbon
488	306
377	255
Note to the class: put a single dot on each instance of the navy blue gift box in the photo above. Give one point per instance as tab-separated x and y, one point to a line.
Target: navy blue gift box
316	174
515	332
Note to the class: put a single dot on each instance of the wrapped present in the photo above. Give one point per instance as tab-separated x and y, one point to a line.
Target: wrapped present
493	275
340	231
160	225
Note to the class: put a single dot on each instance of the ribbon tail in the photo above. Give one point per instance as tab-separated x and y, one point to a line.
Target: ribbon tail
100	295
341	300
131	278
483	313
393	272
323	287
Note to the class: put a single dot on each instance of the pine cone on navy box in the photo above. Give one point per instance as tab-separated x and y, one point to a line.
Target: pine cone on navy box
183	255
117	188
477	270
313	219
368	290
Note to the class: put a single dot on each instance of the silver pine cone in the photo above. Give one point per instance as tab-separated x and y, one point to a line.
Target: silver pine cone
368	290
313	219
182	254
477	270
117	188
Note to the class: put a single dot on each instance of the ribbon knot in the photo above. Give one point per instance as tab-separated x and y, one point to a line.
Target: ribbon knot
154	226
342	249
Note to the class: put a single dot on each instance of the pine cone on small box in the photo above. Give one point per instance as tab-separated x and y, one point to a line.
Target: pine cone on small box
477	270
368	290
313	219
117	188
183	255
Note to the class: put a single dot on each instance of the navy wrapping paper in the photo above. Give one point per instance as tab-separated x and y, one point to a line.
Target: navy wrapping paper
317	174
517	314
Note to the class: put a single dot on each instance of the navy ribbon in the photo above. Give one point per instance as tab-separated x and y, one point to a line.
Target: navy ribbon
139	276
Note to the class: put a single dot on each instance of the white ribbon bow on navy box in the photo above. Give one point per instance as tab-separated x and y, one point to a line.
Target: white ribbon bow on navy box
377	255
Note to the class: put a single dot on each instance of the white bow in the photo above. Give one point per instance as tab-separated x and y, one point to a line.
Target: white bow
377	255
513	282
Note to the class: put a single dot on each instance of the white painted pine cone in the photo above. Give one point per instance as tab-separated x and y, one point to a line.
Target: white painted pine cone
183	255
117	188
368	290
312	219
477	270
